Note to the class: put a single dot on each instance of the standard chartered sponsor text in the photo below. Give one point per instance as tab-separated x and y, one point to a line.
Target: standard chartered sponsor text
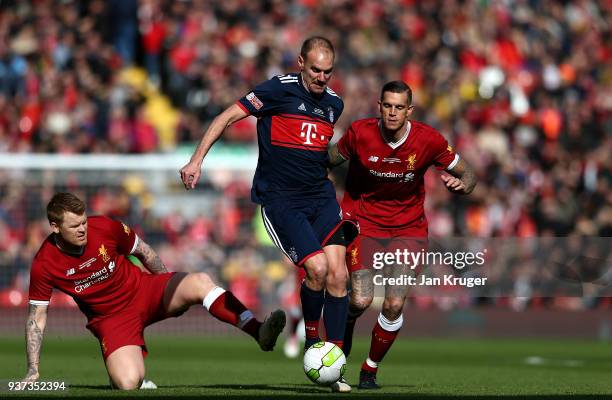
96	277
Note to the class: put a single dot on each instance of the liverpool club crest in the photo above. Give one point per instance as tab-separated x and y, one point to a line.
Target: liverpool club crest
411	161
104	253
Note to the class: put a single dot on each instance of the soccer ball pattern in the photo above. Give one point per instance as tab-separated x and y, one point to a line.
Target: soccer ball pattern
324	363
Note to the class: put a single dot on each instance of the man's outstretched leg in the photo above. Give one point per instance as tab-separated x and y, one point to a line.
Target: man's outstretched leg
185	290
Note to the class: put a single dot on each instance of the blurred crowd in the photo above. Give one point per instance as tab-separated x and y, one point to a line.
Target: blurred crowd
522	89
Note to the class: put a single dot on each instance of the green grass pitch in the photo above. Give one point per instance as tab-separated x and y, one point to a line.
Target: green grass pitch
212	367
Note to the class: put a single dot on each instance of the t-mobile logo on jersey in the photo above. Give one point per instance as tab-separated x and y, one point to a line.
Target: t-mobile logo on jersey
309	131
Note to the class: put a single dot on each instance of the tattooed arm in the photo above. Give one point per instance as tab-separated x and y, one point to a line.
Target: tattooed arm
35	327
149	258
463	178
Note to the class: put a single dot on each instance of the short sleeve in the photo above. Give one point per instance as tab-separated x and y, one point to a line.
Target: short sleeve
263	99
41	286
126	238
445	157
346	144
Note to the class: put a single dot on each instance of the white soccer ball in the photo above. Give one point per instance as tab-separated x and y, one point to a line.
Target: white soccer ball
324	363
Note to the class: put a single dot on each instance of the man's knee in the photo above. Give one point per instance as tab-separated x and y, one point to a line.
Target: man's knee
392	307
125	367
317	270
127	380
201	285
360	303
203	280
337	278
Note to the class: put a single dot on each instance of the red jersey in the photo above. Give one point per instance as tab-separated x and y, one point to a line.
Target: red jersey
101	280
385	188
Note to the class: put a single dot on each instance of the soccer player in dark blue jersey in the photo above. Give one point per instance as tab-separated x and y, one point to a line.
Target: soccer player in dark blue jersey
295	119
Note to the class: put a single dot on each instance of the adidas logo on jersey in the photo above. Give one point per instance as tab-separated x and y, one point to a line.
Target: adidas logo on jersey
302	107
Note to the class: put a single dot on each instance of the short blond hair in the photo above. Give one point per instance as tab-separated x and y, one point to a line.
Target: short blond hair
61	203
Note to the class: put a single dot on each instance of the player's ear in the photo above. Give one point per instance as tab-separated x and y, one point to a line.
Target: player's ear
54	227
301	62
410	109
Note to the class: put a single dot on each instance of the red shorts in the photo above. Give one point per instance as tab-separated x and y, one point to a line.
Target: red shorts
366	251
127	326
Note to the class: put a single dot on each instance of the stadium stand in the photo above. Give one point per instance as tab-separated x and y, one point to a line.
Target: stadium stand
522	89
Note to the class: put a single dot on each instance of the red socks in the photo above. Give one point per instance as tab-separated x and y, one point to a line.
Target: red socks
224	306
383	336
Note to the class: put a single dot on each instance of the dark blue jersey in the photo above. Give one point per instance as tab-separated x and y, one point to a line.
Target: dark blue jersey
294	128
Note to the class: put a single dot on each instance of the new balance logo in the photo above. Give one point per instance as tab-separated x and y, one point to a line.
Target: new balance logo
302	107
71	271
373	159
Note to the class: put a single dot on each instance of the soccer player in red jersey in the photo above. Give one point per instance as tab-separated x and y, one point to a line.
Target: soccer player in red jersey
385	193
85	257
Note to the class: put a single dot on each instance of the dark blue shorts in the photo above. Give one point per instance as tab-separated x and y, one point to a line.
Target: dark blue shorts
301	228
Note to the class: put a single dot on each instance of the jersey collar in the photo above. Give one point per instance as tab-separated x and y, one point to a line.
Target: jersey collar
395	145
60	248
